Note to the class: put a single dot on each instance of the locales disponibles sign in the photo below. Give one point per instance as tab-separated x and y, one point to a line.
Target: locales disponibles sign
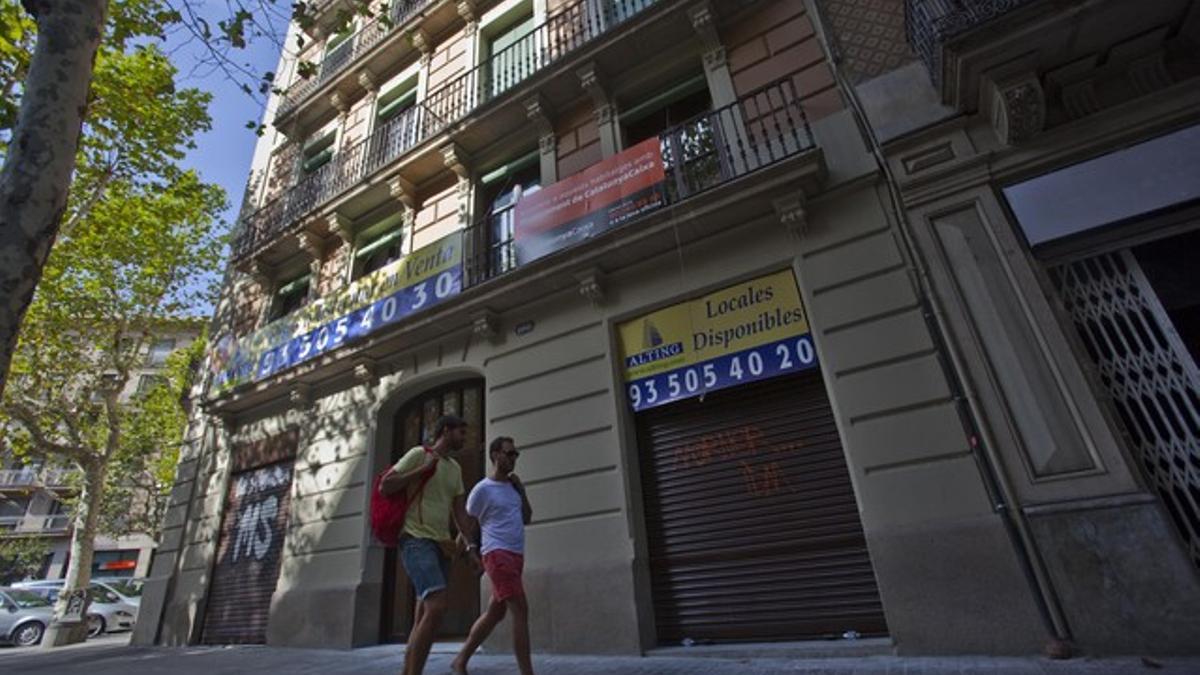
422	279
747	332
596	199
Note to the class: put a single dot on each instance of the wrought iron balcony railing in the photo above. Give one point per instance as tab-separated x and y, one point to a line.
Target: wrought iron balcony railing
336	60
759	130
31	524
12	478
563	32
932	23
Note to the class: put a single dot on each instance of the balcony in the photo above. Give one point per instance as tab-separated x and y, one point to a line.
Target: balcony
1060	58
563	33
722	168
15	478
340	58
35	524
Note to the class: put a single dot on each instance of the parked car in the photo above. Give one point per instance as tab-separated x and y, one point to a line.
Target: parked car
129	589
107	612
24	616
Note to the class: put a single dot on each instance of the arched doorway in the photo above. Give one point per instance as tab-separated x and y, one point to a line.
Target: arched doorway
413	425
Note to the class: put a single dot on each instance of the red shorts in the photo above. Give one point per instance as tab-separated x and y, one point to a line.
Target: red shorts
504	569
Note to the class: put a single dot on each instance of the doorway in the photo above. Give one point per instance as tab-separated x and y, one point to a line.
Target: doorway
413	425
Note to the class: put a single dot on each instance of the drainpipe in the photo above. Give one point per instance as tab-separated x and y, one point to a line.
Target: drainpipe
1004	497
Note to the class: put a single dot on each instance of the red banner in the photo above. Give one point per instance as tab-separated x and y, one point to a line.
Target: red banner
597	199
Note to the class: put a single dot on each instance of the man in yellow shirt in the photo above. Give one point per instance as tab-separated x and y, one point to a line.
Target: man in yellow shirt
427	528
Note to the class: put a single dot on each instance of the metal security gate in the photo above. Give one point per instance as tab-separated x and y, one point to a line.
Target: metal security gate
1148	372
249	551
753	529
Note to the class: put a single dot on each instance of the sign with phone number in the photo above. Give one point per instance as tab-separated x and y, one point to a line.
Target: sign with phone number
758	363
361	322
740	334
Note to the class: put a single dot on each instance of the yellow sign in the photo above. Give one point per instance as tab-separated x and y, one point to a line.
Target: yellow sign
746	332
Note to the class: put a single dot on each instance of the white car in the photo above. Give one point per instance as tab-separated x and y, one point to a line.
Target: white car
107	613
128	589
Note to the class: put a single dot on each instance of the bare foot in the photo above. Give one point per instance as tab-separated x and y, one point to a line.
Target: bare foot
458	668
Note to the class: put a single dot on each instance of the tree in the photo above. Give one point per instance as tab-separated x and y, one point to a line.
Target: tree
21	557
49	52
138	245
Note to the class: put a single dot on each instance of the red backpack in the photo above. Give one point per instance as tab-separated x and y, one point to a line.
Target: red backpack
388	511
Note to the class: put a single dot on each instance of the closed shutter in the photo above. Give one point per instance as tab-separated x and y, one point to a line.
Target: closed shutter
754	532
249	551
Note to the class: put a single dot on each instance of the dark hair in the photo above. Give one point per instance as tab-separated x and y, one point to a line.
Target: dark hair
447	422
497	444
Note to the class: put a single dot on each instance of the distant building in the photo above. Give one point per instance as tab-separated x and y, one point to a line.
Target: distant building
809	317
31	494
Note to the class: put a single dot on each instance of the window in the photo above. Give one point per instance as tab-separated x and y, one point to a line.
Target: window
149	381
160	350
318	151
502	190
291	296
396	100
338	50
511	57
677	104
379	246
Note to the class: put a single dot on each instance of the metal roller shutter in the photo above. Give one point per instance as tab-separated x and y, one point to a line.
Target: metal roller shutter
249	553
753	528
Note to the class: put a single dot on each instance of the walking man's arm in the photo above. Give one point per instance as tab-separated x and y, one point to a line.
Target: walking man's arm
526	508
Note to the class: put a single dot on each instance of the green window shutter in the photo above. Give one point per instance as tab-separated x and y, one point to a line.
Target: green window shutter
339	39
383	240
296	285
403	100
510	168
318	160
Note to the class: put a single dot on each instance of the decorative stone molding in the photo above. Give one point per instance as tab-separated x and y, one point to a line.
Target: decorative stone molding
792	213
342	227
605	114
715	58
705	24
456	160
300	396
258	271
548	144
1150	73
591	82
1018	109
312	243
421	42
486	325
340	103
539	113
403	191
592	286
366	371
469	11
366	80
1079	99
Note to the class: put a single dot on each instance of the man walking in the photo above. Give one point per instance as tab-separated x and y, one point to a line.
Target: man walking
499	503
434	482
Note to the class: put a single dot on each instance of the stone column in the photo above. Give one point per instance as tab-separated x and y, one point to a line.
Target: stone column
538	113
405	193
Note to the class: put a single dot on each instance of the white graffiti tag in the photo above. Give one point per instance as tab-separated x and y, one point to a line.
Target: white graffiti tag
255	529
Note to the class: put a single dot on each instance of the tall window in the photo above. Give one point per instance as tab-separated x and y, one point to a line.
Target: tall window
503	189
379	246
337	51
397	121
511	57
676	104
291	296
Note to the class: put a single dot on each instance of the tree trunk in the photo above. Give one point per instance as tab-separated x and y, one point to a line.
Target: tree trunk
41	155
70	621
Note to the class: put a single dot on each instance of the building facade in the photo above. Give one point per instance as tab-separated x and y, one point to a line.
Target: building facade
809	316
32	495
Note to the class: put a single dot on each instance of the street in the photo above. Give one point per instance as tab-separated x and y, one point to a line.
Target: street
112	654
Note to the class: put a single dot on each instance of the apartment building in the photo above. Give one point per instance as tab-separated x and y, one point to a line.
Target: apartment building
810	318
32	494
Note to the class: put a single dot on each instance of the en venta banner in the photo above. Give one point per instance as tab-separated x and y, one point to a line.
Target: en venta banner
744	333
422	279
592	201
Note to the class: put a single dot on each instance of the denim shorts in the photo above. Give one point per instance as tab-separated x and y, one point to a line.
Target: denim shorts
425	565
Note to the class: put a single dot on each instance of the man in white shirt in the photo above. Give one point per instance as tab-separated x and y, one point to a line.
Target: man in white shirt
499	503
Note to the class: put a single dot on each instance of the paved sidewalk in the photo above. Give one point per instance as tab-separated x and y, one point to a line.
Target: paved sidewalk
113	656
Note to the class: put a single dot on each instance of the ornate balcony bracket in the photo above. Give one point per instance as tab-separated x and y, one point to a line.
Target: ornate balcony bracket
592	83
339	102
592	286
1018	108
343	228
366	80
403	191
540	114
704	22
486	325
422	43
260	272
469	11
793	214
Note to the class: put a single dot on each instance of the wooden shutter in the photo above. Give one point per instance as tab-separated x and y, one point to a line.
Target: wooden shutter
754	532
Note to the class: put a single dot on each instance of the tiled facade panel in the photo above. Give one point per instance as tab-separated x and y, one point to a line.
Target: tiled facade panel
776	41
869	34
449	60
578	142
438	214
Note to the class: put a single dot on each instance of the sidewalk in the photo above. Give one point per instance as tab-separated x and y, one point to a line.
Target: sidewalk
114	656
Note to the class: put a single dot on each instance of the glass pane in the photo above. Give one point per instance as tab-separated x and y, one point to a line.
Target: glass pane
431	411
472	412
450	403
